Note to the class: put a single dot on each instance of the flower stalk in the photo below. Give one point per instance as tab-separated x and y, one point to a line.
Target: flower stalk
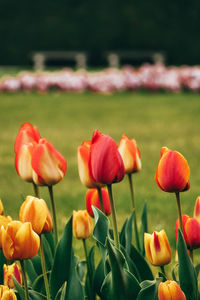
54	214
44	269
24	278
179	210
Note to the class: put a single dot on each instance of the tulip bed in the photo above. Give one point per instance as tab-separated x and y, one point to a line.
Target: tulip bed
113	266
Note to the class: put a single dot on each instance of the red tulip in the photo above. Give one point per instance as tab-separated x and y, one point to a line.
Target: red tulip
105	163
191	231
197	209
130	154
27	133
172	174
92	198
49	165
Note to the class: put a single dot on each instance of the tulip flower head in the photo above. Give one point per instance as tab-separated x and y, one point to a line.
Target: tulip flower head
105	163
35	211
19	241
27	133
130	154
197	209
3	223
170	290
83	154
92	198
157	248
6	293
82	224
173	172
49	165
191	232
8	272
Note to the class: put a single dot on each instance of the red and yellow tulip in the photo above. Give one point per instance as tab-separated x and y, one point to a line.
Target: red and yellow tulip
197	209
157	248
82	224
6	293
170	290
130	154
92	198
8	272
173	172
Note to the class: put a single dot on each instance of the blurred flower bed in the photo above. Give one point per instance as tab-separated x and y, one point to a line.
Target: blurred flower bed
150	77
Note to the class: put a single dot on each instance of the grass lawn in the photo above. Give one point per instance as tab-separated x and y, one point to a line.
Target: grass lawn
66	119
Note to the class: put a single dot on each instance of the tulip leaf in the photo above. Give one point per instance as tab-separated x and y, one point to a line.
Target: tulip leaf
186	270
119	284
32	274
148	290
99	278
36	296
50	239
126	234
19	289
101	229
36	261
62	260
141	265
173	272
38	284
144	228
2	262
131	265
63	291
81	265
89	285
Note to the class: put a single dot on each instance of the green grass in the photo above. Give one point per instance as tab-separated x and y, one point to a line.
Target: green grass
66	119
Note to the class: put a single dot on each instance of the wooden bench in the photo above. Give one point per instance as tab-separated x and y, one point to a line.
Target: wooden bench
42	57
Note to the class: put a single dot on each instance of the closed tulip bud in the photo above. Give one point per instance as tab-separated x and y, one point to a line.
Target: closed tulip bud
92	198
8	272
197	209
172	174
4	223
1	208
23	162
6	293
130	154
170	290
105	163
82	224
157	248
191	231
27	134
49	165
83	154
35	211
19	241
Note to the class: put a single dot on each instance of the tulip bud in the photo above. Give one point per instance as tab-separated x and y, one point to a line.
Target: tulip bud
19	241
172	174
8	272
6	293
130	154
4	223
27	134
49	165
83	154
35	211
1	208
92	198
197	209
170	290
82	224
191	231
105	163
157	248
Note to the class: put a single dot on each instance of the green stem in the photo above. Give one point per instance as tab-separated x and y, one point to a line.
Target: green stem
191	255
36	190
163	270
54	214
179	210
114	219
87	261
100	199
44	270
24	279
134	211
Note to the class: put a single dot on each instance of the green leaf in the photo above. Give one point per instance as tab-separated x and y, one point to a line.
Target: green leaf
36	261
141	265
19	289
131	265
126	234
144	228
119	284
47	252
148	290
187	273
36	296
63	292
101	228
89	286
62	261
81	265
32	274
38	284
99	278
50	239
173	272
2	262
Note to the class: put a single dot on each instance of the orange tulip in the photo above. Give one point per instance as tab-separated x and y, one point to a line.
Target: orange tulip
19	241
35	211
170	290
82	224
83	154
23	162
130	154
6	293
1	208
3	222
8	272
49	165
191	231
172	174
157	248
105	163
197	209
92	198
27	133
